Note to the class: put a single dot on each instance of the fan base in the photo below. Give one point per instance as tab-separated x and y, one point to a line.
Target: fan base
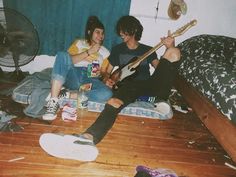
13	77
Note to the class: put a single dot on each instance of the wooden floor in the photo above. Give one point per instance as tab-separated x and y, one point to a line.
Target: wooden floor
182	144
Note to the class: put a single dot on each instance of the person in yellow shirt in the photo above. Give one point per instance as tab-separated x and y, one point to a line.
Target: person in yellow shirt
83	63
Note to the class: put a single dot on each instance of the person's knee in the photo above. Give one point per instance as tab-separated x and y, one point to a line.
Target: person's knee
101	95
115	102
61	54
107	94
64	58
172	54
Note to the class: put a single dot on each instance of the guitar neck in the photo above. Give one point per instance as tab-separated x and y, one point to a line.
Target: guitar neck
145	55
175	34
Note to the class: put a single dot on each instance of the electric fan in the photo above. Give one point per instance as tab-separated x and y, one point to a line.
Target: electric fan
19	42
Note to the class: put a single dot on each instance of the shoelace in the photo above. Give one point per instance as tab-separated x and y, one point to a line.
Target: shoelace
52	106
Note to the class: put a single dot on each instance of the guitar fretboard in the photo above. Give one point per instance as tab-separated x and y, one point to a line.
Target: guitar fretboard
178	32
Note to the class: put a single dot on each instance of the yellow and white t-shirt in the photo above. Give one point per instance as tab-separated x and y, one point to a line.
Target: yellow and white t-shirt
79	46
99	59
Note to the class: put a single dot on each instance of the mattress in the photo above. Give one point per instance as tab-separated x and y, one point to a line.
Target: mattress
159	110
209	65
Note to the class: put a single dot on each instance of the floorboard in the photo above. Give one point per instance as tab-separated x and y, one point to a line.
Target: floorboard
182	144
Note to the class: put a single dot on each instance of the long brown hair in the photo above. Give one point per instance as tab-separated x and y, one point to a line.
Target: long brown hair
92	23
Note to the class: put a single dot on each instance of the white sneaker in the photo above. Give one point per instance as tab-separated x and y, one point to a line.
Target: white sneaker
52	108
68	147
164	109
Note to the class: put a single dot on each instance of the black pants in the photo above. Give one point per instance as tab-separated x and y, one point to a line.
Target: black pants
159	85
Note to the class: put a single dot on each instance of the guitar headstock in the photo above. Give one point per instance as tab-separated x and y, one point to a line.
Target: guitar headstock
184	28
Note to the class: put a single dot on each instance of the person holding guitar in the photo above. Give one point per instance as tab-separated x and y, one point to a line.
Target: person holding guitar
159	84
130	30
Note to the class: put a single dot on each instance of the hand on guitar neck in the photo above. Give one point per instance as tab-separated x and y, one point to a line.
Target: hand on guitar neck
168	41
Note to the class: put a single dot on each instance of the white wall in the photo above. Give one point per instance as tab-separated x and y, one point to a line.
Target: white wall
213	16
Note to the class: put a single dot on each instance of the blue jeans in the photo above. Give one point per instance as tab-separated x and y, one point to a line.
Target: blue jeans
73	77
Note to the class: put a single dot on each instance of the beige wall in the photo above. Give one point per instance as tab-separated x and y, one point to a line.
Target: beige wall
213	16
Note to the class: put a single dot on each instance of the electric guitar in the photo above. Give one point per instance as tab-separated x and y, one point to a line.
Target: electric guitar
129	69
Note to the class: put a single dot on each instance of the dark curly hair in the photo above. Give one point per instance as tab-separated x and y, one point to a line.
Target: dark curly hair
92	23
130	25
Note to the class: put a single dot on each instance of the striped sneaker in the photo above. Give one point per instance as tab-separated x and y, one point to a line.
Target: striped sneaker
52	108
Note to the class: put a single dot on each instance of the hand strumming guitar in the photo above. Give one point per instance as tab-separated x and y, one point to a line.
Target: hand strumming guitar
108	81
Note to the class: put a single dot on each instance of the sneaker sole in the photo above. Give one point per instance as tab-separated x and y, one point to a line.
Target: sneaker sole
45	117
63	146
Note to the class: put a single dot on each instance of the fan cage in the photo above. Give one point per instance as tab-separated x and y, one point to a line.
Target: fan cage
19	40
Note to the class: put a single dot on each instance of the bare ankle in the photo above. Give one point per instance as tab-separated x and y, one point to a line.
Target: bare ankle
88	136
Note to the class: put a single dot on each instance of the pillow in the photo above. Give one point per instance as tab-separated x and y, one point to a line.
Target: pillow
160	110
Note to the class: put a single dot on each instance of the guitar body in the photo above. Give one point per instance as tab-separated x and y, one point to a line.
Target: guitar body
123	73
